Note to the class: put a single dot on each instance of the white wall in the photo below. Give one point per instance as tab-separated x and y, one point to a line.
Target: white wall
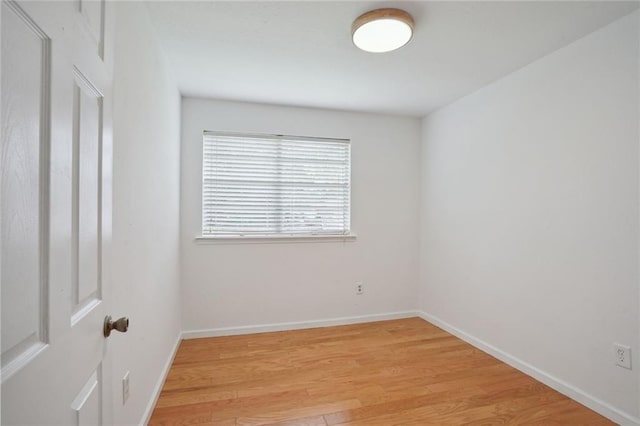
529	214
231	285
146	212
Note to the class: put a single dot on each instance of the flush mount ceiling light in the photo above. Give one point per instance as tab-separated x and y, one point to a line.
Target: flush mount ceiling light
382	30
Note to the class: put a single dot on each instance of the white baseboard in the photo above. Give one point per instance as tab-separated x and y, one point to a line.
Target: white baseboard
561	386
283	326
146	416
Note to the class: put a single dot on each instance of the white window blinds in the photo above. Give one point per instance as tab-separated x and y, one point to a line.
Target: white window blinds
256	185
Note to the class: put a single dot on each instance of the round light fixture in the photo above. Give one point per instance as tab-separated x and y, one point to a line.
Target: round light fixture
382	30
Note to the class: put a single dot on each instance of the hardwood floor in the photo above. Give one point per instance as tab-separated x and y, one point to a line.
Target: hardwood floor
401	372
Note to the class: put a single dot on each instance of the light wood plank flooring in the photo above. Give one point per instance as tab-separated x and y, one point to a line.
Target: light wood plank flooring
401	372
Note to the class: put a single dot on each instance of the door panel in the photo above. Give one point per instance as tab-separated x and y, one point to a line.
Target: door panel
86	195
56	212
93	17
25	88
88	404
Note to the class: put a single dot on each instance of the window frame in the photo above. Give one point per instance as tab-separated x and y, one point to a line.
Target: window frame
273	238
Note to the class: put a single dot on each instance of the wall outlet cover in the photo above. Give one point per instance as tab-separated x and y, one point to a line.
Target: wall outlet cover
623	355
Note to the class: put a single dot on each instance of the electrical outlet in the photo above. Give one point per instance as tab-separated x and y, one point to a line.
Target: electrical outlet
623	355
359	288
125	388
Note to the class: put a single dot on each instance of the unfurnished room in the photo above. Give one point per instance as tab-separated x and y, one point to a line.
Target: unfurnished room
320	212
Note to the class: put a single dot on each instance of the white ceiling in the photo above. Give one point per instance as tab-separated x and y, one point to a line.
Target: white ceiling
300	53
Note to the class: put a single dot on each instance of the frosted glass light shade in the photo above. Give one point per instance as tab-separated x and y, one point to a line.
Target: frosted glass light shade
382	30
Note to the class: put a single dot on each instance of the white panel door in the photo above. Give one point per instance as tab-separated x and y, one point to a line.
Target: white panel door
55	218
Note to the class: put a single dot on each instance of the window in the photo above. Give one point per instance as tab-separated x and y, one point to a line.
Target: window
273	185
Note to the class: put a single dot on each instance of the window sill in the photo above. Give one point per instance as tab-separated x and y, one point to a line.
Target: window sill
275	239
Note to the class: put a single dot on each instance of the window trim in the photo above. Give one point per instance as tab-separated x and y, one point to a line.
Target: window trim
273	238
276	239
